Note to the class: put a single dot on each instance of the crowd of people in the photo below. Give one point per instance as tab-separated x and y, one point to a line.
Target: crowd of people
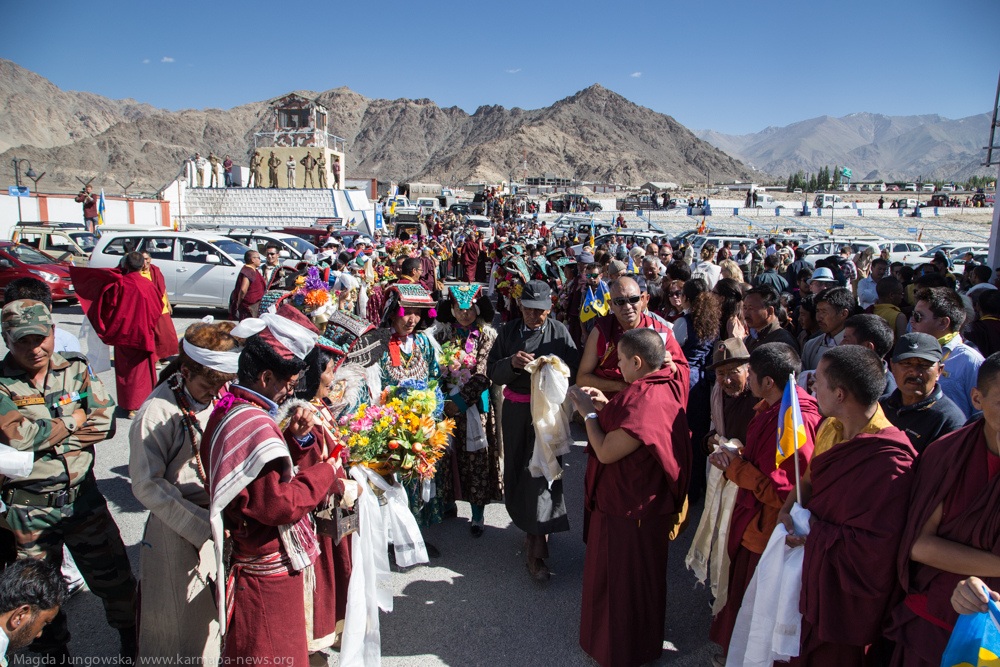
676	366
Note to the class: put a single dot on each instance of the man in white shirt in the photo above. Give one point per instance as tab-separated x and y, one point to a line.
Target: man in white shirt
833	307
867	293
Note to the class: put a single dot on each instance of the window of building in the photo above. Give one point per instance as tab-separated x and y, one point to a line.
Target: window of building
293	118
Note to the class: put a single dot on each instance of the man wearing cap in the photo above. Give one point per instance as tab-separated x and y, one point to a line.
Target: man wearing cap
763	485
57	500
950	528
918	406
822	278
760	310
257	501
534	506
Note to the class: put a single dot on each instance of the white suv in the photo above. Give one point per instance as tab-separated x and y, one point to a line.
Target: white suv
199	268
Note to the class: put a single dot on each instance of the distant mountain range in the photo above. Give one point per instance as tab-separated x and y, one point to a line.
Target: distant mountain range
872	145
595	135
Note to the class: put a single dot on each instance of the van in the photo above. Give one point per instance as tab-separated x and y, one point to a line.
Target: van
67	244
824	200
199	268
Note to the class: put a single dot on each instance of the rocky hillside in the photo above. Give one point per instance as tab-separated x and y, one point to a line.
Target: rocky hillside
594	135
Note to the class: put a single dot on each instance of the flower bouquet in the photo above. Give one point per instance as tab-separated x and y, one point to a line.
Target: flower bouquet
403	434
312	297
457	363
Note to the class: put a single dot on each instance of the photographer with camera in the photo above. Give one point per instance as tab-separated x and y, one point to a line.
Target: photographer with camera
89	201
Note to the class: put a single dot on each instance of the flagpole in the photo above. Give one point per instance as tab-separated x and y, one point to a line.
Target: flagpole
795	444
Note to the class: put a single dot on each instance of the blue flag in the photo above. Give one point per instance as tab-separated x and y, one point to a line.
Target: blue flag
604	297
631	265
589	310
791	428
100	209
975	641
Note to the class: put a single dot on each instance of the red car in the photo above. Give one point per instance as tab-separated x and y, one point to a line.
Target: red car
22	261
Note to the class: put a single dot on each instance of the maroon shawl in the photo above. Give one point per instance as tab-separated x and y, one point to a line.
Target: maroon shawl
860	498
123	309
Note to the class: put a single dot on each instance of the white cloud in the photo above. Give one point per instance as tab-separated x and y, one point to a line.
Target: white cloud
636	75
146	61
513	71
166	59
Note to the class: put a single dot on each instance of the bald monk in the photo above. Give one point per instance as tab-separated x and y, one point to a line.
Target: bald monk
857	488
642	452
953	529
763	485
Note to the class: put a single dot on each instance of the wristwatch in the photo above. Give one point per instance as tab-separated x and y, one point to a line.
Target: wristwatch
592	415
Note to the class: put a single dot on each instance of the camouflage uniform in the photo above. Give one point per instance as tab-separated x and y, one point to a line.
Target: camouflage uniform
215	161
272	170
309	162
255	169
321	163
59	501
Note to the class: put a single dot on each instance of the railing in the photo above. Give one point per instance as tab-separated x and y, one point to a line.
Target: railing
269	139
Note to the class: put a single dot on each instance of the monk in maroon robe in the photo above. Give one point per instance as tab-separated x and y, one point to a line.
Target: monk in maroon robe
763	485
470	257
124	309
857	489
166	333
249	289
637	499
953	529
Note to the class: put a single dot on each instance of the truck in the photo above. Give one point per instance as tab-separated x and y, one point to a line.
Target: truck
447	198
416	191
404	210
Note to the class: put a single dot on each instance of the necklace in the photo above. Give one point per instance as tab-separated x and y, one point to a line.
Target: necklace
176	384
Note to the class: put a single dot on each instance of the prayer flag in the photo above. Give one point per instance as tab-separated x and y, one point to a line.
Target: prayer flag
589	309
791	428
975	640
631	265
100	209
603	297
593	235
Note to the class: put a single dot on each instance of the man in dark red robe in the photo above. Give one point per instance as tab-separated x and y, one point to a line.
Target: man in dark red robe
166	333
470	257
763	485
953	529
857	489
249	288
637	500
124	309
428	269
257	502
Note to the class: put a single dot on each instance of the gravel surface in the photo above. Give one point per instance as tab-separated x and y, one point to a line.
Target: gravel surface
475	605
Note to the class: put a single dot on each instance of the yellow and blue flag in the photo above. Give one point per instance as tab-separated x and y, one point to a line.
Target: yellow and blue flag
631	265
975	641
590	308
100	209
791	428
603	297
593	235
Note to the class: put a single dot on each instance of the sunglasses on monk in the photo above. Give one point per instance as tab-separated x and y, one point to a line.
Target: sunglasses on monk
622	300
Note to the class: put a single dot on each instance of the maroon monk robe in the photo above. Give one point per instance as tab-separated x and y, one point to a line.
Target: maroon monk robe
633	503
763	488
124	311
166	333
959	472
859	503
333	567
241	309
427	273
470	258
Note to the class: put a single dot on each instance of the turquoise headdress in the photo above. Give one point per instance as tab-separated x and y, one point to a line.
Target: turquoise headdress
465	295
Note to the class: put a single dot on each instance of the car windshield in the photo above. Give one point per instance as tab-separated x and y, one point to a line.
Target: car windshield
231	248
301	245
29	255
85	240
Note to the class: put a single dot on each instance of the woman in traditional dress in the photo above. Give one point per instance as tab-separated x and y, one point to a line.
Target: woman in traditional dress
465	322
326	388
177	606
411	356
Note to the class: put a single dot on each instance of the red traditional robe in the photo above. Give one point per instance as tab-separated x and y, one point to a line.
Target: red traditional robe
166	333
959	472
633	504
124	311
240	310
763	489
333	567
859	503
470	258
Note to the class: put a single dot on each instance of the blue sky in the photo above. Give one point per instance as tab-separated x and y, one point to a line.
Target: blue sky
729	65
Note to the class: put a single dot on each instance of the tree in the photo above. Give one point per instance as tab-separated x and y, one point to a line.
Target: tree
788	188
836	176
812	183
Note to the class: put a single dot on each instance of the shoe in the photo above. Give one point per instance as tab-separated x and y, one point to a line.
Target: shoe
538	570
129	648
318	659
719	660
432	550
478	529
451	512
131	414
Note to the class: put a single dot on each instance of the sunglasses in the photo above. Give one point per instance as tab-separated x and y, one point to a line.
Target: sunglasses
593	275
621	301
272	254
676	293
917	316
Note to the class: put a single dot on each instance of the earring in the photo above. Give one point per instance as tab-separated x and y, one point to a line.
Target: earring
402	312
433	312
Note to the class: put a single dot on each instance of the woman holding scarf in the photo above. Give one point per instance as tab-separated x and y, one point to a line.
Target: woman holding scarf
168	477
465	319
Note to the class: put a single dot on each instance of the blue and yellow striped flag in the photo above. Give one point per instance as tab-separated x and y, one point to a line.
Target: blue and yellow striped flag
631	265
791	428
100	209
603	297
589	310
593	235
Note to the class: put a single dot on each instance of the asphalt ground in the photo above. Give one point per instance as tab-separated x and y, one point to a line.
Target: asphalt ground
475	605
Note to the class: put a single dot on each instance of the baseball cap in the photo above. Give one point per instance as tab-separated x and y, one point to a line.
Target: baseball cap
729	351
822	274
915	346
536	294
585	258
25	317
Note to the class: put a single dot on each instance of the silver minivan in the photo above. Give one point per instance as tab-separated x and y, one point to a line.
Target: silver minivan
199	268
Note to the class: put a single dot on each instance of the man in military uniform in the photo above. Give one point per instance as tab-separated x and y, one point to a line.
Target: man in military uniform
272	170
255	169
321	164
214	160
309	162
51	404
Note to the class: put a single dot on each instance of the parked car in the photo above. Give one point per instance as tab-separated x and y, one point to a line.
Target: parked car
907	252
410	228
483	226
199	268
291	248
18	260
823	200
910	187
823	249
460	209
955	251
893	188
928	187
69	242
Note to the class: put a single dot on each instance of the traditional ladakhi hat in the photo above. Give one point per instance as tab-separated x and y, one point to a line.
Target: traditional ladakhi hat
285	329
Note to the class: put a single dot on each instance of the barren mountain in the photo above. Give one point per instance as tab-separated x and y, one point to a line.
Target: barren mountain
872	145
595	134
